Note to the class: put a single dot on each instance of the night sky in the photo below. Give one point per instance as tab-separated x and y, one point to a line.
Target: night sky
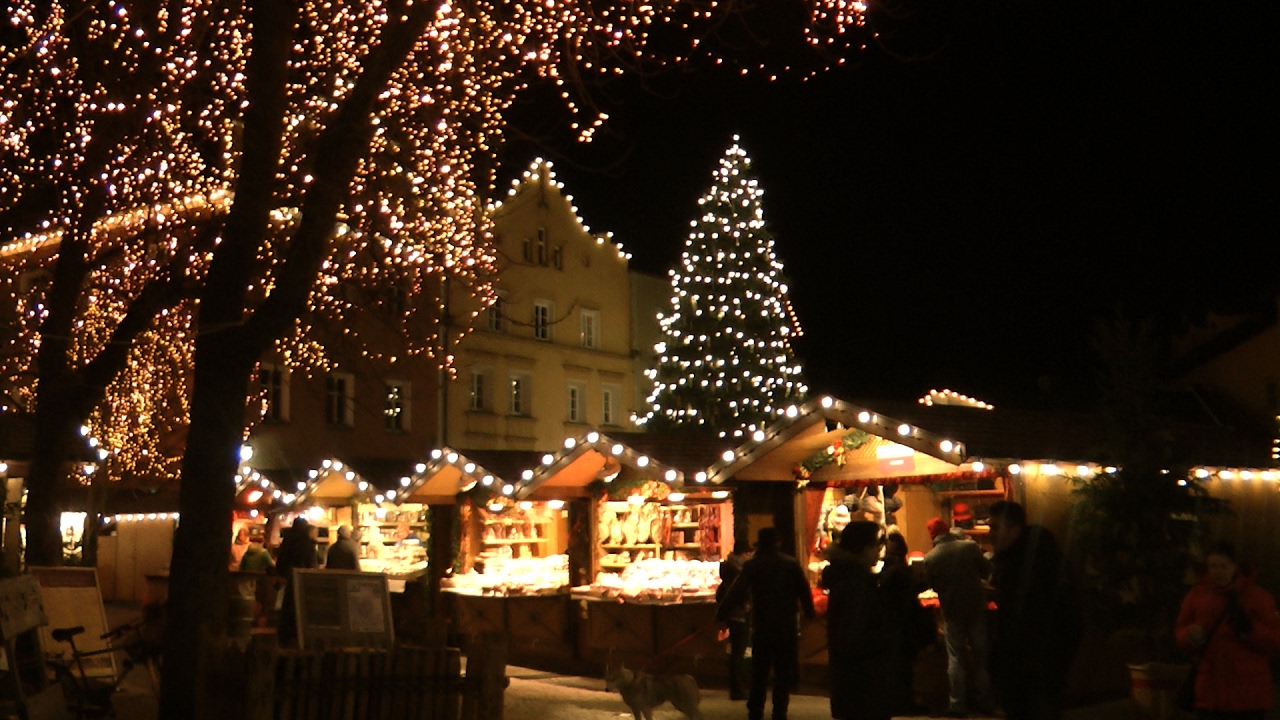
957	213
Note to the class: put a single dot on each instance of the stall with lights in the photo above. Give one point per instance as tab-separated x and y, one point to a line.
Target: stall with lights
393	535
645	538
451	484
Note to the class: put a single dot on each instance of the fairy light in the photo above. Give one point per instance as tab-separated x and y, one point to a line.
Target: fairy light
118	137
726	359
951	397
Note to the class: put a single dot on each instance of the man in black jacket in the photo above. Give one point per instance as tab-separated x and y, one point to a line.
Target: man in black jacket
1037	622
778	590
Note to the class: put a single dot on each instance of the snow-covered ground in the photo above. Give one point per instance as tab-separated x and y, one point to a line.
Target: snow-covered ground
536	695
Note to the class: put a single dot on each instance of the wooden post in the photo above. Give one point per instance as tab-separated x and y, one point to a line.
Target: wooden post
440	560
486	680
260	680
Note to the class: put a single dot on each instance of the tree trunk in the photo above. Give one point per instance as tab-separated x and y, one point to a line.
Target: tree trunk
56	429
198	570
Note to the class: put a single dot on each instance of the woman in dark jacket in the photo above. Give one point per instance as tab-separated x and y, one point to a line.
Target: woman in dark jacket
1233	624
856	629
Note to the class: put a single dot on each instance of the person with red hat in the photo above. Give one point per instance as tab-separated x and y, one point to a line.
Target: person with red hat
957	570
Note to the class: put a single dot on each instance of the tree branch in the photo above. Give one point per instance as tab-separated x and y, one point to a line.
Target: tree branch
338	151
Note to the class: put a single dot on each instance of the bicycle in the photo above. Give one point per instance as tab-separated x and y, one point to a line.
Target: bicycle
89	696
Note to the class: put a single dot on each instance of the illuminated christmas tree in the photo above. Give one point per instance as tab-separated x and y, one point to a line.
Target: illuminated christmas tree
726	362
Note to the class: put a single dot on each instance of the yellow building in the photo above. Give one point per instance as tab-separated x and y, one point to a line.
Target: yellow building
553	356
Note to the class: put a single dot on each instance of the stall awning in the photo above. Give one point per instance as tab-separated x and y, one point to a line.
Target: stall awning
832	440
1073	437
449	472
590	457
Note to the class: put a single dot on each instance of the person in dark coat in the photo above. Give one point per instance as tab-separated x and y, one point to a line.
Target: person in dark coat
736	617
345	552
778	590
1037	620
900	593
297	550
857	630
957	570
1233	625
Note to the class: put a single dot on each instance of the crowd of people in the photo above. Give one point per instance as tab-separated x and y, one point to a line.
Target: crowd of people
299	548
1010	623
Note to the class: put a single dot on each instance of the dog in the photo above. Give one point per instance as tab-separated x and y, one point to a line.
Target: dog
643	692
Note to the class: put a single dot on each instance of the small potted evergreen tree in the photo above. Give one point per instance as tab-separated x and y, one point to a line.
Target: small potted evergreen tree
1136	532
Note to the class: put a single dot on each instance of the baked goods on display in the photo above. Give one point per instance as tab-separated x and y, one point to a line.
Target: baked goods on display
654	580
514	576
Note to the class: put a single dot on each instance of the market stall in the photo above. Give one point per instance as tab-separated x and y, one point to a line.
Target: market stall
393	537
830	463
645	546
511	571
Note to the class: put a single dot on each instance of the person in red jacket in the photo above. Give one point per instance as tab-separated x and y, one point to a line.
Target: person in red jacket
1233	624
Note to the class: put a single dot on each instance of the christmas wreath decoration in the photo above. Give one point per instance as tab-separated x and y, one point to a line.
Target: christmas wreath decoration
835	453
622	489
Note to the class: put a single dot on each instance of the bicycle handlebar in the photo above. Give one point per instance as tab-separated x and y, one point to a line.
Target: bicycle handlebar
118	631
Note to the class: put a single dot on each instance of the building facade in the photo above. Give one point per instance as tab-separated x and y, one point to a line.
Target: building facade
553	355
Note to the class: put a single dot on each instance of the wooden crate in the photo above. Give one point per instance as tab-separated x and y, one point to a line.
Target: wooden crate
539	620
477	615
687	630
616	626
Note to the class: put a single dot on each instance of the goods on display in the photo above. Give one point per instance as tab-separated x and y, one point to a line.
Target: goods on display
631	532
514	576
658	581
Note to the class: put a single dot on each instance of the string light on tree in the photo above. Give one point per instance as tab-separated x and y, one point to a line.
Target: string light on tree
726	360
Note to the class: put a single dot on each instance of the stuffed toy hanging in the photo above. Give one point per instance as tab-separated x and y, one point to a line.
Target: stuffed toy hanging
883	513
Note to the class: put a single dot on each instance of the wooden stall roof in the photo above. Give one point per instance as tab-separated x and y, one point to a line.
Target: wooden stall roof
898	448
333	482
385	474
1016	434
587	458
18	437
449	472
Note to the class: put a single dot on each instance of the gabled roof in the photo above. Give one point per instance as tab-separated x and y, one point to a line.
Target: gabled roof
1071	436
813	418
590	457
333	480
18	439
448	473
385	474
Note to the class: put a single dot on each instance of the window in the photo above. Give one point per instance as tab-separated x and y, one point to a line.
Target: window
395	300
557	257
396	407
497	311
590	322
339	406
542	246
520	395
577	398
609	405
542	320
477	392
527	250
273	384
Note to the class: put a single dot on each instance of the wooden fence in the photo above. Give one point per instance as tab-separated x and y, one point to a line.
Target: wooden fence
263	682
405	683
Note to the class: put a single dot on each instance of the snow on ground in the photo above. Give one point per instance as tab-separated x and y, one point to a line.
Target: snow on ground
535	695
